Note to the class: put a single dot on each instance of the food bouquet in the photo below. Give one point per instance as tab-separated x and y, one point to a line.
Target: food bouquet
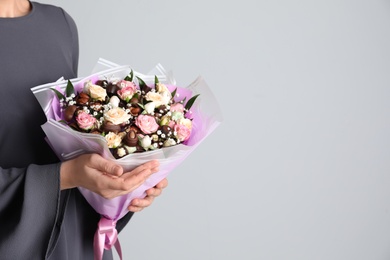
128	117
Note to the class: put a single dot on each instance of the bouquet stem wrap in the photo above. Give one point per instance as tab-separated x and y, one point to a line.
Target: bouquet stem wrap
68	143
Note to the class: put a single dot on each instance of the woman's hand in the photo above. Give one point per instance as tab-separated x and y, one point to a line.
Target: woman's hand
137	205
105	177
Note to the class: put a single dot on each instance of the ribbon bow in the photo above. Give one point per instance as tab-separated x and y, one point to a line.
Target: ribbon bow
106	236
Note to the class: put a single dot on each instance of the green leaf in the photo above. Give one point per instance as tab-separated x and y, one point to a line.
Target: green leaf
141	106
69	89
130	76
142	84
191	102
173	94
155	80
59	94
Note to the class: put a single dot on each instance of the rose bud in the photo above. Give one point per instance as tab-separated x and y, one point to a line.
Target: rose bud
69	112
130	138
110	127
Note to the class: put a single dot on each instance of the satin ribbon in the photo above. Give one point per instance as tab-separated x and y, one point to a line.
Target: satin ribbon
106	236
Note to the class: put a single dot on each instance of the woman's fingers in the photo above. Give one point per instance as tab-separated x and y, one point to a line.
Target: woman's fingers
137	205
129	181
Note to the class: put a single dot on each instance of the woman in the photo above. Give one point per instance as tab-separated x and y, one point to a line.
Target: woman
42	213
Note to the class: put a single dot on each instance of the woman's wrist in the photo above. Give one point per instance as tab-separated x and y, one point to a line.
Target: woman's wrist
66	180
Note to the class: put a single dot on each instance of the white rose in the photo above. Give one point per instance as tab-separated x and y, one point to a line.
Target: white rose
149	107
161	88
117	116
113	140
157	98
95	91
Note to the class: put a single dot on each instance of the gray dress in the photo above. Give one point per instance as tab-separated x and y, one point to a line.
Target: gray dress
37	220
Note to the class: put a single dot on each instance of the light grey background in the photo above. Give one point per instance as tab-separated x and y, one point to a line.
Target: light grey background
299	169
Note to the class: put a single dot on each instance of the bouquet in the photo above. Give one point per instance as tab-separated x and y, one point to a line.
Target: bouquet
130	118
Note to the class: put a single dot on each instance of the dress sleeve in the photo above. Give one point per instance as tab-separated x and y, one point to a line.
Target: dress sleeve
75	40
29	206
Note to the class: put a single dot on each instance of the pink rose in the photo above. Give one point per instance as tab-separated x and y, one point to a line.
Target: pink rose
178	107
128	89
85	120
146	123
182	132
